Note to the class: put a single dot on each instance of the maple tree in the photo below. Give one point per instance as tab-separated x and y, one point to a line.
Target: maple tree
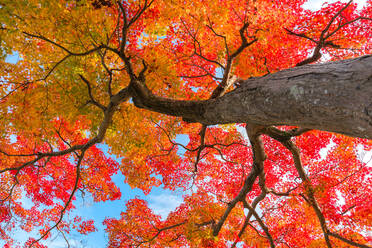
134	74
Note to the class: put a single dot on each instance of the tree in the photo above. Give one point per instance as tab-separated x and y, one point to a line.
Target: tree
134	74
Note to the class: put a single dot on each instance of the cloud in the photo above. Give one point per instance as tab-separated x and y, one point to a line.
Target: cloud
164	203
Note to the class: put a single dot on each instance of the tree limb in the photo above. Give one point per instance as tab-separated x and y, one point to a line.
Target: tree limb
311	96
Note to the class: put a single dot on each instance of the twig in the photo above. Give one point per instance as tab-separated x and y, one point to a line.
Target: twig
81	156
92	100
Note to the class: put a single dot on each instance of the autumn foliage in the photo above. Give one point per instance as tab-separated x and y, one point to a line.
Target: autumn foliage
80	72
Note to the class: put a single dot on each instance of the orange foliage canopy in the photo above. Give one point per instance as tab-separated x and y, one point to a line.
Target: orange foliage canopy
71	87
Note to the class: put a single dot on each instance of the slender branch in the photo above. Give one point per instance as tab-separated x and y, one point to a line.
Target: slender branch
248	184
37	80
256	230
109	72
300	35
146	5
160	230
322	39
18	155
64	48
77	178
203	69
11	189
347	23
309	189
219	35
322	35
64	237
198	47
208	60
91	94
225	83
260	222
259	156
195	76
54	67
118	98
127	23
249	215
348	241
287	193
201	147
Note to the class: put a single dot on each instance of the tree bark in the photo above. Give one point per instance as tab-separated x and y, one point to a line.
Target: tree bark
333	96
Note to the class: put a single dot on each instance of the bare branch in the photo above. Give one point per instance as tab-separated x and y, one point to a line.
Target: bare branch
219	35
322	39
249	215
325	30
109	72
300	35
64	237
92	100
260	222
259	157
248	184
348	241
62	47
160	230
347	23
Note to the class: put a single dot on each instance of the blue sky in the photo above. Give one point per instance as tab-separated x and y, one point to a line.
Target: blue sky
160	201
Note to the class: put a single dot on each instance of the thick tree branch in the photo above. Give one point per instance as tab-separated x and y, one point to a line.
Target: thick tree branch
333	96
259	157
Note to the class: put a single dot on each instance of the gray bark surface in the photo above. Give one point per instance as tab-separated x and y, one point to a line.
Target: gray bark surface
333	96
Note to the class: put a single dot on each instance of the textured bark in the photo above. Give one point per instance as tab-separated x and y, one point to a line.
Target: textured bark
334	96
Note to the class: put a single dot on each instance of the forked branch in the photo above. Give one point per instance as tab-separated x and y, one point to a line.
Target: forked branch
323	40
309	190
259	157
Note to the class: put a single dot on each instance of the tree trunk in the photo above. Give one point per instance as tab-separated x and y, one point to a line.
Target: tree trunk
334	96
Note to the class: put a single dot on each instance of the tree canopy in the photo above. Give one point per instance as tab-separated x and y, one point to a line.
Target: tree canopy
275	151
